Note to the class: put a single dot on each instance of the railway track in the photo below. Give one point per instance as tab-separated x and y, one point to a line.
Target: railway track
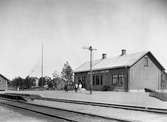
119	106
63	114
76	116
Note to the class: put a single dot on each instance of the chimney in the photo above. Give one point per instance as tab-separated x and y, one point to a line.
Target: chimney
123	52
104	56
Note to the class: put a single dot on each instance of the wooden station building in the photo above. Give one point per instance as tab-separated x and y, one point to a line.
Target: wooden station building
123	73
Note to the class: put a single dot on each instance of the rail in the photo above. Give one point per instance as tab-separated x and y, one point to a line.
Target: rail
27	97
119	106
56	112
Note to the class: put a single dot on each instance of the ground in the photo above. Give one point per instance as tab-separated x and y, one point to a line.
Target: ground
9	115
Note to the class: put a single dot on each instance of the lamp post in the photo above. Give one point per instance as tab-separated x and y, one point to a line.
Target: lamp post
91	74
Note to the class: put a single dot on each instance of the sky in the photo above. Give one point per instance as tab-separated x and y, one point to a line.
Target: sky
66	26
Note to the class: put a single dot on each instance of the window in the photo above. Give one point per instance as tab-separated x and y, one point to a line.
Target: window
146	62
83	78
118	79
101	80
79	79
94	80
121	80
114	79
83	81
97	79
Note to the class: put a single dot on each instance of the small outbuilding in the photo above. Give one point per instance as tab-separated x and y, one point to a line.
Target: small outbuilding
3	83
123	73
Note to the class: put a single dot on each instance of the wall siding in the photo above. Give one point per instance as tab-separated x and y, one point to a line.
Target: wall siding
3	84
107	78
81	74
87	82
117	71
141	77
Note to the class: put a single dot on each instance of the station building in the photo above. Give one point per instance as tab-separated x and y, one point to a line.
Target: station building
3	83
124	72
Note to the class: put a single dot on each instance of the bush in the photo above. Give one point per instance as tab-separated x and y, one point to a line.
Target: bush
106	88
112	87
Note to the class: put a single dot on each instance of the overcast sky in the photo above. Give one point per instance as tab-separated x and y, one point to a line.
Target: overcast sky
65	26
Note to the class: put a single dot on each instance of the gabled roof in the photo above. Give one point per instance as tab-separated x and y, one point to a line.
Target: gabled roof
4	77
127	60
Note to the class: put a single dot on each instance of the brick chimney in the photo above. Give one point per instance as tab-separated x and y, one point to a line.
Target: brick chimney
104	55
123	52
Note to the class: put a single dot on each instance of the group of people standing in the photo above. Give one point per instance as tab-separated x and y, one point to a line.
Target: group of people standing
77	86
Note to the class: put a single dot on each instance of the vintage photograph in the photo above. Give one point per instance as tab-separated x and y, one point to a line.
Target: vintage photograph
83	61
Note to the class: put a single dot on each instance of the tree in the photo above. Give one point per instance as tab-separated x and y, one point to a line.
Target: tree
57	81
21	83
55	74
29	82
41	82
18	82
67	73
51	84
44	81
48	81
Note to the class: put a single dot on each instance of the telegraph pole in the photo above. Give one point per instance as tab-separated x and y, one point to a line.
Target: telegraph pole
91	74
42	63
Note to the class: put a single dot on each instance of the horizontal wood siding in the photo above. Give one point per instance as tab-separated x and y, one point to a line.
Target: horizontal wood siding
106	79
118	71
3	84
142	76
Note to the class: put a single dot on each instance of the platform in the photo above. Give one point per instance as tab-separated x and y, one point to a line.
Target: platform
125	98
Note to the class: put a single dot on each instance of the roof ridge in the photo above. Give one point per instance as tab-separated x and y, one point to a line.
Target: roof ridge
111	62
144	52
4	77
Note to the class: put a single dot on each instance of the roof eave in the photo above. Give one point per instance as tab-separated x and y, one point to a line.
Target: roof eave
159	65
108	68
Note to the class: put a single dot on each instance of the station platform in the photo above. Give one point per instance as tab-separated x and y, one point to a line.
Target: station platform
122	98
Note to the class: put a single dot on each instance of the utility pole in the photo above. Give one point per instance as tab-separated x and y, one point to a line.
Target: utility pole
91	74
42	64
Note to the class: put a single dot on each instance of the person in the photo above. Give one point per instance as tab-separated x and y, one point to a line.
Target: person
80	86
66	88
76	87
